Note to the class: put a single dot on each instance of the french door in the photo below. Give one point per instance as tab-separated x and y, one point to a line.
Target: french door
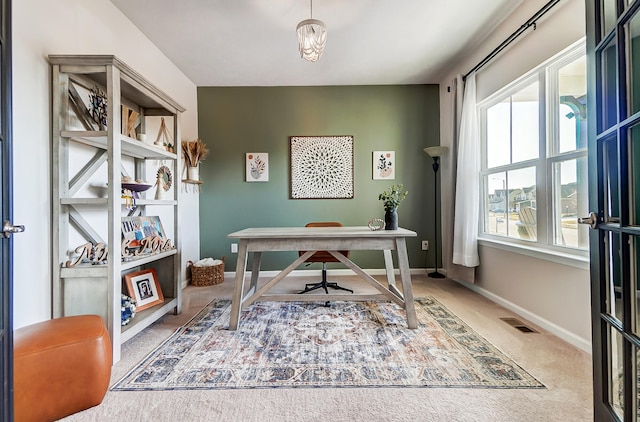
613	48
6	278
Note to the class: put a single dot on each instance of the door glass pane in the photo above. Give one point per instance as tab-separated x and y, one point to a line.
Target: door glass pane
610	173
634	175
570	202
525	110
636	394
613	297
572	122
609	16
609	87
635	271
616	373
633	60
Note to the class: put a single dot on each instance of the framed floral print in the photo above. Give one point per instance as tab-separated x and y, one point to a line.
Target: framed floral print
257	167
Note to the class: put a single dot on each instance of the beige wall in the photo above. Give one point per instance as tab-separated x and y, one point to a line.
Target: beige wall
554	295
40	28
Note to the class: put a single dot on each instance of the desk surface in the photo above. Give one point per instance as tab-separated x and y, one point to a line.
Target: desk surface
318	232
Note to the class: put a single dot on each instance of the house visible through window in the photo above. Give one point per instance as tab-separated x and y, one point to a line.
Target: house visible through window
534	166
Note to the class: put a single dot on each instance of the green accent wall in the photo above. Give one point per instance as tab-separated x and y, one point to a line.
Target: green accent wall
236	120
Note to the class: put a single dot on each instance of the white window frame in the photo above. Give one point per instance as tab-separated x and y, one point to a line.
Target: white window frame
545	74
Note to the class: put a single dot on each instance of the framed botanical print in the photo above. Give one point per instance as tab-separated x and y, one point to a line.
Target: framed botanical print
257	167
384	165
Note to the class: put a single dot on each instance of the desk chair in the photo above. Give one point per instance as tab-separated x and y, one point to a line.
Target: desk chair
324	257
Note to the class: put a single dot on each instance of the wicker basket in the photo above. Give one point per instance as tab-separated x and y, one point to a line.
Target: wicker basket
207	276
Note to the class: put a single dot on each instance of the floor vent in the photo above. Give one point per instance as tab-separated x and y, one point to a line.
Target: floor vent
516	323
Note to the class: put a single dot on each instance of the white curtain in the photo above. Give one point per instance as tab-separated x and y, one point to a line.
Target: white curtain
467	200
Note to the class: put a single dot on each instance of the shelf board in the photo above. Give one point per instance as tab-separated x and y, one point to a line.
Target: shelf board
194	182
130	146
103	201
83	201
88	270
145	318
126	265
156	202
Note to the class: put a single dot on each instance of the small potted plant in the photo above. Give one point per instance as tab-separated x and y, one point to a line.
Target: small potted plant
391	199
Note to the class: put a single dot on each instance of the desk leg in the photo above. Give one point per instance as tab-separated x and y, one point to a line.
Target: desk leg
255	273
407	289
388	265
391	276
238	287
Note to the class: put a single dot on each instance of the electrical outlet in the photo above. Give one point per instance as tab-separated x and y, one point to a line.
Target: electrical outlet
234	248
425	245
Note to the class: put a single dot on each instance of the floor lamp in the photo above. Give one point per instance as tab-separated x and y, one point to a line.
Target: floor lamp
436	153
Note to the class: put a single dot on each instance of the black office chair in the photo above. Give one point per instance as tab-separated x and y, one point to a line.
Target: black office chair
324	257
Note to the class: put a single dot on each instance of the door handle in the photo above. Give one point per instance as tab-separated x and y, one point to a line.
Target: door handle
8	229
591	220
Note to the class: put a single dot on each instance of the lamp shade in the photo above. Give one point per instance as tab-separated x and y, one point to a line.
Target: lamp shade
312	37
436	151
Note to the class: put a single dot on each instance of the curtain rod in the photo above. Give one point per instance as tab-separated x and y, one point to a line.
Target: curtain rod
531	22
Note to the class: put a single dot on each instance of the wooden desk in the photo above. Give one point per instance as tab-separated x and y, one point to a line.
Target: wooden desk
312	239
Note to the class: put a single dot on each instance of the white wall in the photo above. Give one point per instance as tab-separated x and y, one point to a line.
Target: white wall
553	295
40	28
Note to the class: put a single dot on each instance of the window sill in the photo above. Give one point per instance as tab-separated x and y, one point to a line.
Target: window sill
576	260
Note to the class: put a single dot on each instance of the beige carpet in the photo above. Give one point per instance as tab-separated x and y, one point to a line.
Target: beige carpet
563	369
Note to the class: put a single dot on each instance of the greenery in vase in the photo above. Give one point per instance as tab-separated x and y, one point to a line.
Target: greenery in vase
392	197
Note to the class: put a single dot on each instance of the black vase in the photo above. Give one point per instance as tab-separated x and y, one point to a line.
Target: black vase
391	220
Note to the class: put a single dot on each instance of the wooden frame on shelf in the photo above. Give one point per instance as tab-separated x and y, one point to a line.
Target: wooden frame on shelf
144	288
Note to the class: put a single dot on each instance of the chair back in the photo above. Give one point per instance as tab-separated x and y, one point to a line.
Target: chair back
323	256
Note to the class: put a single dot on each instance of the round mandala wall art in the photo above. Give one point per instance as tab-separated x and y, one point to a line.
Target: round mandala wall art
321	167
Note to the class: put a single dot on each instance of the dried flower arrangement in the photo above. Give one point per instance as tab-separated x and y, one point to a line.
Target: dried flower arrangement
194	152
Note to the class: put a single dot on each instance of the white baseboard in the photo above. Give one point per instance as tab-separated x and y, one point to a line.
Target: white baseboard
564	334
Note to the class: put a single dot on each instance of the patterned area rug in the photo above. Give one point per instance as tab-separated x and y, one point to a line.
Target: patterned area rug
305	344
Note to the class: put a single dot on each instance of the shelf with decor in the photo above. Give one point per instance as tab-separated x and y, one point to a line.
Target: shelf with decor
103	173
131	147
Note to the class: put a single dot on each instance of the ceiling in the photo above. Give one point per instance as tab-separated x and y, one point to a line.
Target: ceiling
369	42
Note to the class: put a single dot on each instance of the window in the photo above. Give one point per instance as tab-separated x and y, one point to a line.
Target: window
534	164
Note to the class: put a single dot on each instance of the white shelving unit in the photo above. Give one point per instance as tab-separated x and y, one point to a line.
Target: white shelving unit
95	214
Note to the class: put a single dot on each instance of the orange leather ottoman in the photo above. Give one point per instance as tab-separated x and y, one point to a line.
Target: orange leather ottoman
61	366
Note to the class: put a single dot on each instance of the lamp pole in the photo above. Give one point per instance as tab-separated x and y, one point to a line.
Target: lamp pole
435	153
436	167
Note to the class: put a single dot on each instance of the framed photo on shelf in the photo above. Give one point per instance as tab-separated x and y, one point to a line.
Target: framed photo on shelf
137	228
144	288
